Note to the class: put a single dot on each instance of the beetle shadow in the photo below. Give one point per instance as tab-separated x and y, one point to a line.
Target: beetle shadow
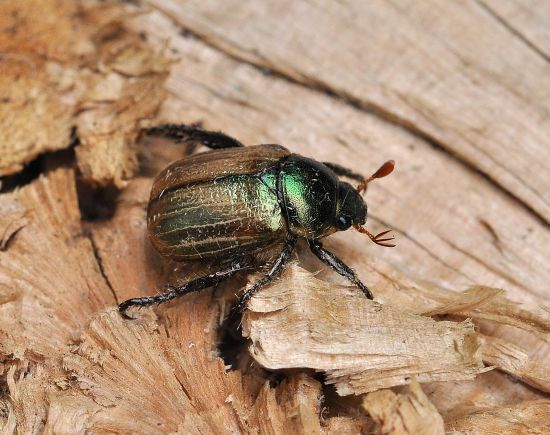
232	346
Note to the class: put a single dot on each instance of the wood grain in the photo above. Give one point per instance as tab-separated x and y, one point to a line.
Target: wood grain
455	226
524	18
361	345
448	72
458	93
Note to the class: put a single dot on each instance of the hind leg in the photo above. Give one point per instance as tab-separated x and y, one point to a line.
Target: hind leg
194	285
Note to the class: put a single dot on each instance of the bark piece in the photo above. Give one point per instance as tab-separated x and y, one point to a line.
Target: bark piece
69	65
407	413
525	417
515	361
361	345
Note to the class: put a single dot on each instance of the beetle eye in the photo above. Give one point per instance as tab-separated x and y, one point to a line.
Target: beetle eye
343	223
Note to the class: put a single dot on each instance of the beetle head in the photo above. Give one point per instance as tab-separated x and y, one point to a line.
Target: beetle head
351	208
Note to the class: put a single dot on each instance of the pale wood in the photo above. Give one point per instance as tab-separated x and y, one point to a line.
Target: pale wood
515	361
527	19
454	227
362	346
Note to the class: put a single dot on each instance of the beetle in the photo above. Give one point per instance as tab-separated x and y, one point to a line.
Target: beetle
233	202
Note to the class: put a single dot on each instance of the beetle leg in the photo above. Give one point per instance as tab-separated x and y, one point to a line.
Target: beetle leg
191	286
276	268
343	171
338	265
193	134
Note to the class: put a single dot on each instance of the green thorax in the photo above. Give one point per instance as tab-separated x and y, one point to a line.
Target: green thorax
309	193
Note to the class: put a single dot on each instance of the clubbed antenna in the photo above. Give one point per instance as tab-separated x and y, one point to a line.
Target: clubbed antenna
385	169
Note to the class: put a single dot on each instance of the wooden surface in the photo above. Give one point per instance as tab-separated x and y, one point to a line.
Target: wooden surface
458	93
457	223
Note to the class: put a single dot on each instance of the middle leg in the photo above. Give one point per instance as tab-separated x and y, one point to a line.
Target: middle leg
276	268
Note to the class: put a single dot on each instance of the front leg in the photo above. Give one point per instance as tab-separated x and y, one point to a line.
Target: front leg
193	134
338	265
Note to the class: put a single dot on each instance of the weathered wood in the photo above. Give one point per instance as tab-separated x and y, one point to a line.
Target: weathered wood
532	416
456	93
525	19
455	227
88	76
449	87
409	413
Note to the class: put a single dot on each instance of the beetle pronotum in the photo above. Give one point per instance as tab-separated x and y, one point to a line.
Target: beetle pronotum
234	201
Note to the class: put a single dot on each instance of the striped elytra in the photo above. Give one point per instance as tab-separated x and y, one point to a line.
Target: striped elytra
217	204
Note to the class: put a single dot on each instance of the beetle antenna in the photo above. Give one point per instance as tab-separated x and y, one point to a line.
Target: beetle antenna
377	238
382	171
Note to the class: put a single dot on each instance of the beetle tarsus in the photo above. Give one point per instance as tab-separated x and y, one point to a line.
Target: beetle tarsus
276	268
189	287
122	311
146	300
184	133
338	265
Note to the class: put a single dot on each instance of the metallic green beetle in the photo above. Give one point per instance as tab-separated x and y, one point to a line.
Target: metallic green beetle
229	204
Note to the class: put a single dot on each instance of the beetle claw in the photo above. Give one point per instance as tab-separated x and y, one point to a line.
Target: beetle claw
123	308
126	316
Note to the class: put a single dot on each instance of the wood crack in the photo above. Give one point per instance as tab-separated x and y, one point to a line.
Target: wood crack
530	44
99	262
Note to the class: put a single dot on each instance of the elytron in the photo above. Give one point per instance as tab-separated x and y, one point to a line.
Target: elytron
234	202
